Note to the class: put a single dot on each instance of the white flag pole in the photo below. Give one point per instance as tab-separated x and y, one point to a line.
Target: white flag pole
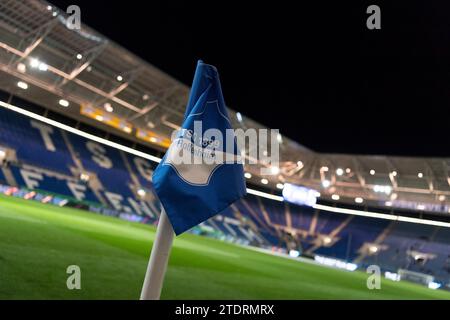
159	257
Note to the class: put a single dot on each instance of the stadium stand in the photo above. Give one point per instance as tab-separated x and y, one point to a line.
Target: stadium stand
2	177
42	180
34	142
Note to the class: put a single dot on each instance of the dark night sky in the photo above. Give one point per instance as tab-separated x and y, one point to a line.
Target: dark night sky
313	71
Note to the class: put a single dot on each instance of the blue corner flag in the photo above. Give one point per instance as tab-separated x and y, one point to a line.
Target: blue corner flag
200	175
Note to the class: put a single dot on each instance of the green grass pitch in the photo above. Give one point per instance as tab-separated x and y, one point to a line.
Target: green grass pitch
38	242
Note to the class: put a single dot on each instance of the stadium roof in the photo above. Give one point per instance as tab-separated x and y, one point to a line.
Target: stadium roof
86	69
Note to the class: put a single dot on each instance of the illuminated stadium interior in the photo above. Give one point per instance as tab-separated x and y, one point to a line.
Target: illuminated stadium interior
79	113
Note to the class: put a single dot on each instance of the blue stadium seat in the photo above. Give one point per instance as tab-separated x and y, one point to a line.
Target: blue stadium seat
40	181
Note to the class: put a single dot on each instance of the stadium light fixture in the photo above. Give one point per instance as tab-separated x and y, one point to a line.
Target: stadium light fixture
339	171
49	8
326	183
300	164
54	13
441	197
372	172
335	197
355	212
424	221
119	78
22	85
348	170
359	200
36	64
79	56
264	181
239	116
280	186
43	66
84	177
382	216
2	155
420	175
265	195
248	175
22	67
127	129
108	107
64	103
145	97
279	138
382	189
324	169
394	173
359	213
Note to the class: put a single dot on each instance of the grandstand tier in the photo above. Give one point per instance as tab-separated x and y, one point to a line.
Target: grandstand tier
42	157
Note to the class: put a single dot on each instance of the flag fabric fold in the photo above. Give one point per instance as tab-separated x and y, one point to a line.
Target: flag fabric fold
200	175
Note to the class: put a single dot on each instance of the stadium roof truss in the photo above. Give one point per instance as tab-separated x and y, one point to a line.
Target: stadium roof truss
85	68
